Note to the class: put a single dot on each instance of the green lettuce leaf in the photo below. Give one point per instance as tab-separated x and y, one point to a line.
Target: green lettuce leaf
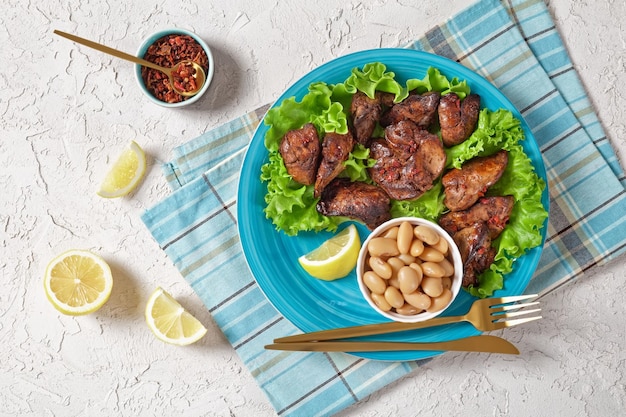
435	81
429	205
495	130
290	205
357	164
374	77
315	107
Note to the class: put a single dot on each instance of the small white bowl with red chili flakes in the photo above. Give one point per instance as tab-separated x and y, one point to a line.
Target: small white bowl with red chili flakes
167	48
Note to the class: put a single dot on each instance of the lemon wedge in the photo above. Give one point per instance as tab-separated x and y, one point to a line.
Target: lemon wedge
170	322
78	282
125	174
334	258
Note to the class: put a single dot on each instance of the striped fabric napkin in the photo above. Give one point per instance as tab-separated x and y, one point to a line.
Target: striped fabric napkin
516	46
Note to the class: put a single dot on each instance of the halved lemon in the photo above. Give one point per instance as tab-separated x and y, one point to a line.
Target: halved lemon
78	282
170	322
334	258
125	174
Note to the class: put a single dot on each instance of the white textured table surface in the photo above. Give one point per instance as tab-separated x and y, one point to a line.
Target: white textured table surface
67	111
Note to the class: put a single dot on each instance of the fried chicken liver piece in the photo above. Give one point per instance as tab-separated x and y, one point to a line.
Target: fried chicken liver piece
421	109
474	229
457	118
301	150
408	160
356	200
336	149
477	254
366	113
463	187
494	211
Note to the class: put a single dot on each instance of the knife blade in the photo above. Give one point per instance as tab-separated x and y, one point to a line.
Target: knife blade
483	343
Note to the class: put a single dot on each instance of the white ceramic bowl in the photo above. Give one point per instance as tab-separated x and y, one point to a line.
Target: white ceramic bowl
152	39
454	257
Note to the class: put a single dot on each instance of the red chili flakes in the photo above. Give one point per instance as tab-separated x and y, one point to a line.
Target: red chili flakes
183	77
166	52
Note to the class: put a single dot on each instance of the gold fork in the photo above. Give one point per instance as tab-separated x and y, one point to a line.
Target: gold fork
486	314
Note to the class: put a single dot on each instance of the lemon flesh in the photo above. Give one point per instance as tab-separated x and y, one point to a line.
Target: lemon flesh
125	174
335	258
170	322
78	282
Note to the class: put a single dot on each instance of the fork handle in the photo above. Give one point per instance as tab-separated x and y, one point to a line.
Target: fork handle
367	330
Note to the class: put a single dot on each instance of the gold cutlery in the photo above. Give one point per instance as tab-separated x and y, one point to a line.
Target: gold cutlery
488	344
486	314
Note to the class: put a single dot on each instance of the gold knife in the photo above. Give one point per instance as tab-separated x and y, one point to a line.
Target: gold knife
485	343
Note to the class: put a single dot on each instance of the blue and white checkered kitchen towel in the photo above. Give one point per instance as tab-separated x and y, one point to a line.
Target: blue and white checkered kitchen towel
516	46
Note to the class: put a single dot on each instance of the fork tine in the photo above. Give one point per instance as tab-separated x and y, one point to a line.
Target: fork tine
497	325
511	299
514	314
512	307
509	323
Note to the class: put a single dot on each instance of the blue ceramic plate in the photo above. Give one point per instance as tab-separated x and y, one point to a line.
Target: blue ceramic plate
272	256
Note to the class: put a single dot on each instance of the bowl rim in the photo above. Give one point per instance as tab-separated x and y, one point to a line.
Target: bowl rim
153	37
456	279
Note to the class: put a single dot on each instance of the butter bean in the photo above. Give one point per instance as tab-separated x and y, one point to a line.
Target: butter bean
433	269
391	233
381	301
441	246
446	282
438	303
395	264
382	268
418	299
374	283
408	310
418	268
405	237
393	281
408	279
406	258
447	267
431	255
417	247
394	297
432	286
426	234
383	247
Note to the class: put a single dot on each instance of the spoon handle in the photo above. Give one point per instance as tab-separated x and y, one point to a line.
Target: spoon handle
110	51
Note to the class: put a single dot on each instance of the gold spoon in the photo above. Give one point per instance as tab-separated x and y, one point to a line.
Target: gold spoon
199	74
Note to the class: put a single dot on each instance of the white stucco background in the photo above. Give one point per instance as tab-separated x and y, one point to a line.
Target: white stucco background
67	111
